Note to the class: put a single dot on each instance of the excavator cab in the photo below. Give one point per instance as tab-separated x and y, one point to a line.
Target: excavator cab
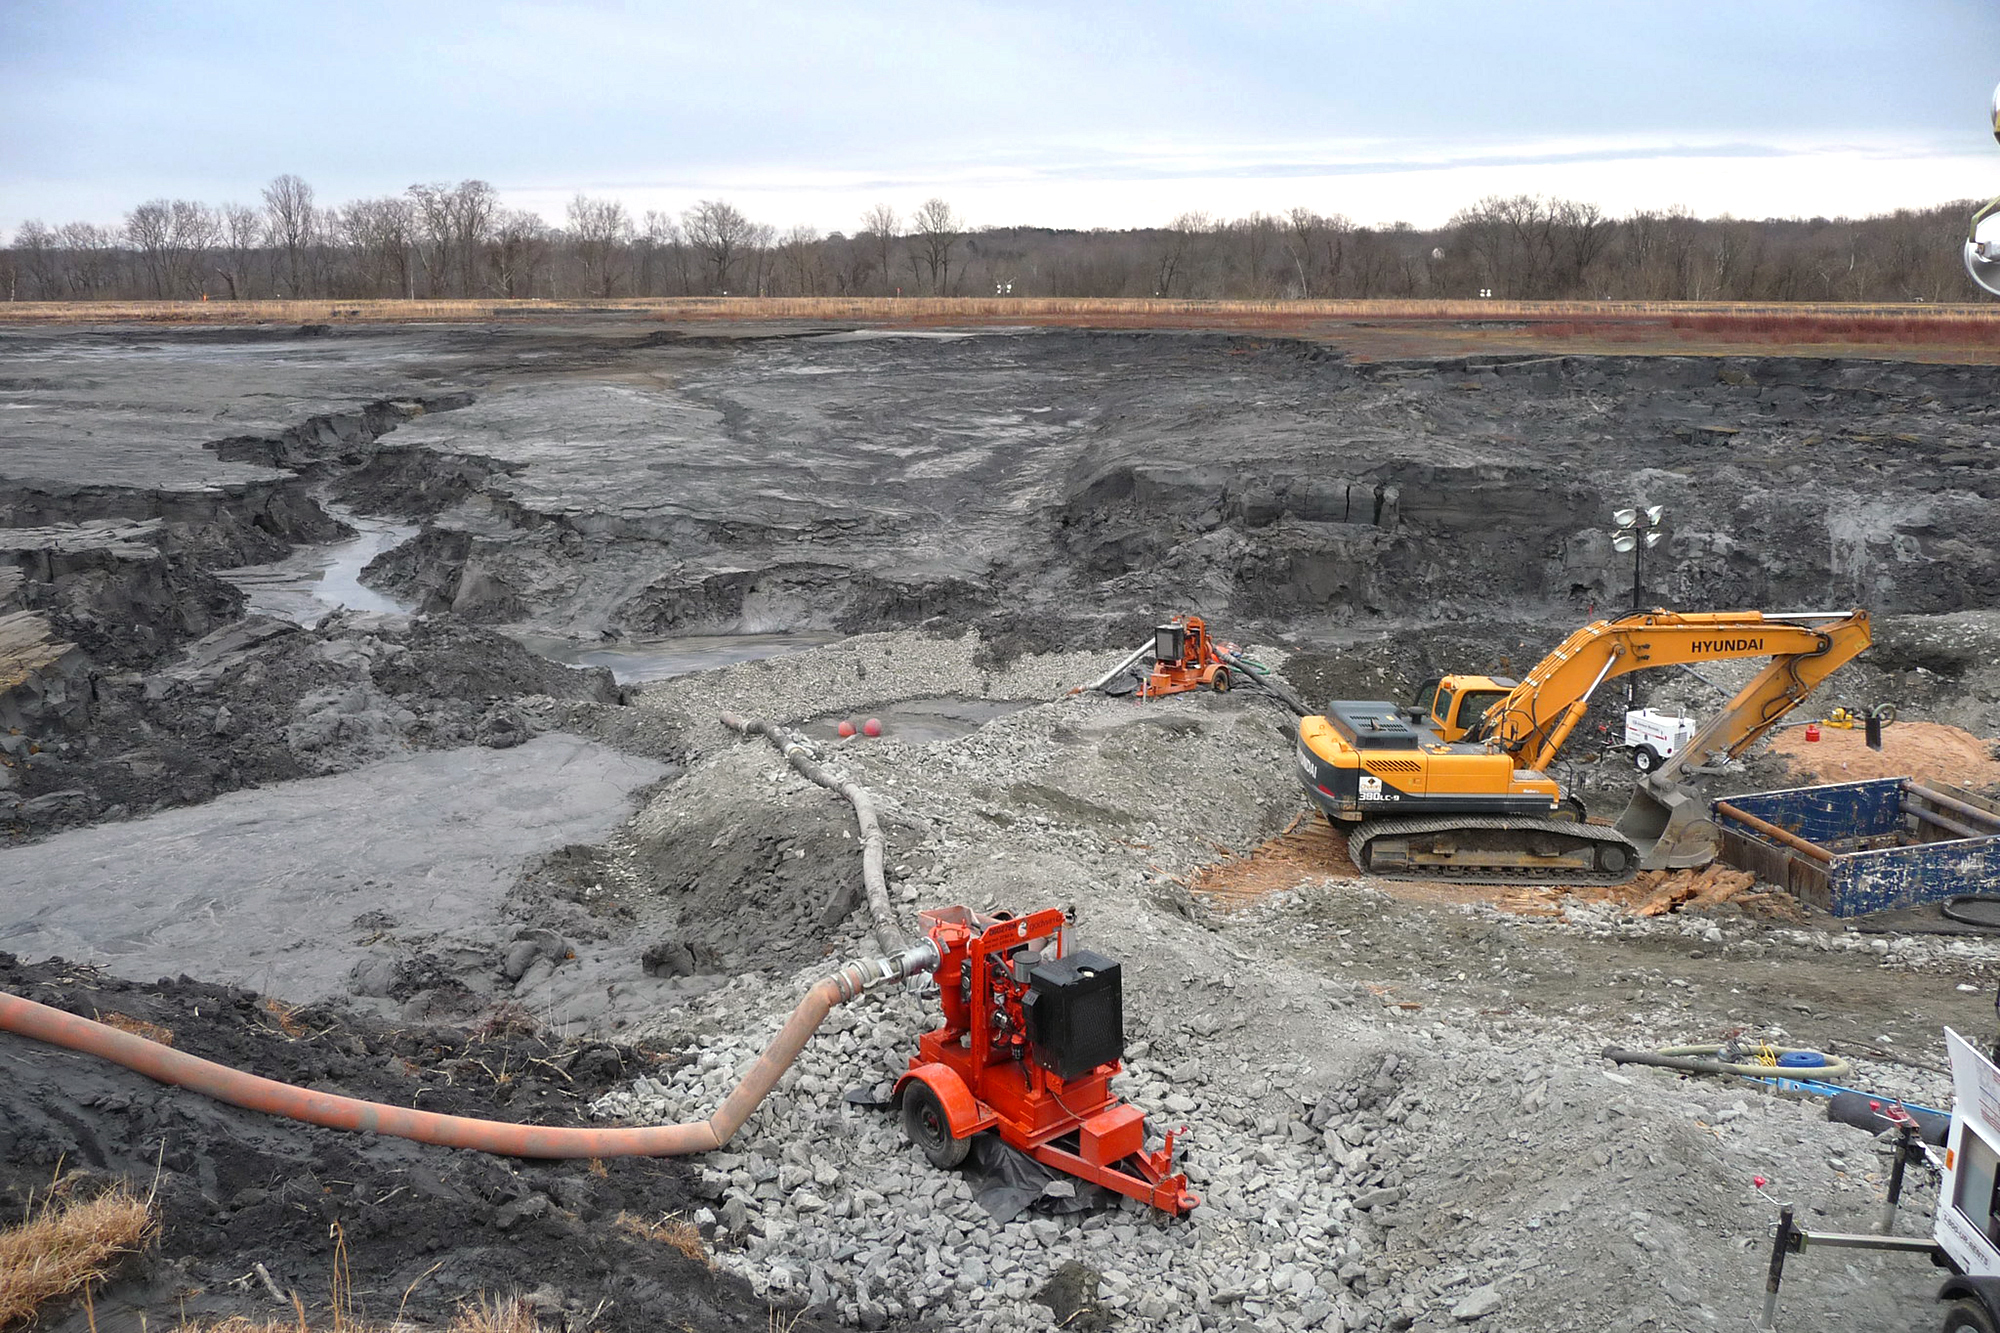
1458	703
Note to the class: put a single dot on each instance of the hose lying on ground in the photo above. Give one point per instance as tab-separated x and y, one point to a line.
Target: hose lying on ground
1954	909
1688	1060
1267	680
26	1018
888	934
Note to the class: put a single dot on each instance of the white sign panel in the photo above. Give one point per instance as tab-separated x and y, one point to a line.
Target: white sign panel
1966	1226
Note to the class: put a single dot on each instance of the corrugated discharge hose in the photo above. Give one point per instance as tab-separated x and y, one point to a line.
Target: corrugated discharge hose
798	752
26	1018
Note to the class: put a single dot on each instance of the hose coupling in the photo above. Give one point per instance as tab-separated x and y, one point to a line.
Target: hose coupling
865	974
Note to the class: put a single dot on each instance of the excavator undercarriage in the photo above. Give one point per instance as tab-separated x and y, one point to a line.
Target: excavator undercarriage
1493	849
1456	787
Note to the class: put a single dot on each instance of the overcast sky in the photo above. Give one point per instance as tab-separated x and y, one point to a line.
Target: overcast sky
1073	113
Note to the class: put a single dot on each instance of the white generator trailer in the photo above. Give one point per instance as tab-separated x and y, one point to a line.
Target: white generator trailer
1654	737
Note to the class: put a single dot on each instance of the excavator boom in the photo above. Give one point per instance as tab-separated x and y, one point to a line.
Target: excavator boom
1670	824
1458	787
1538	715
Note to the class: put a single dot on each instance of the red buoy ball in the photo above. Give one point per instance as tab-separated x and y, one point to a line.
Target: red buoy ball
872	727
845	729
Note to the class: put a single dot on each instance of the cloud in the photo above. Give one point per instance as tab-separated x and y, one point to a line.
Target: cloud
1374	183
1102	114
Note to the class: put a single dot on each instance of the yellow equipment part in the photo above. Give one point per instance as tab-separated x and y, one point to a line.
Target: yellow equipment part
1478	748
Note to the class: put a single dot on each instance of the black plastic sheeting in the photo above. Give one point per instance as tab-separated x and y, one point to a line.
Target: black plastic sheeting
1007	1182
1120	686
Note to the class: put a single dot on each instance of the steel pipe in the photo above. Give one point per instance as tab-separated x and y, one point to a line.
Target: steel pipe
1772	831
1937	820
1953	804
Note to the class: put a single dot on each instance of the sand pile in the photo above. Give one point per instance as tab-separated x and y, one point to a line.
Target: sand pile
1927	751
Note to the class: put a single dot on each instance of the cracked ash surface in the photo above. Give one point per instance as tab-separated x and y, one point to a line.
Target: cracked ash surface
416	824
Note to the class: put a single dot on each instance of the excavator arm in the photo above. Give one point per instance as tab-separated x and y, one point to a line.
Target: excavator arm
1537	716
1668	823
1775	691
1464	792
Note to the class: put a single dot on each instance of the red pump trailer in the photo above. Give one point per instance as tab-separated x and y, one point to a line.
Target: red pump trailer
1032	1035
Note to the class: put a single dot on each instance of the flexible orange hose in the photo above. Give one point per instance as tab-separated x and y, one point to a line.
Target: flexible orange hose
26	1018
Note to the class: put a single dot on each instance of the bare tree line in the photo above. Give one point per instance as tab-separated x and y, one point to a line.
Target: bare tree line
443	240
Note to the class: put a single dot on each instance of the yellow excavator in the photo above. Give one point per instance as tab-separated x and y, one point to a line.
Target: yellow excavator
1457	786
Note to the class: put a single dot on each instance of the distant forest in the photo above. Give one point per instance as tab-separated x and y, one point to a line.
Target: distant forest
445	240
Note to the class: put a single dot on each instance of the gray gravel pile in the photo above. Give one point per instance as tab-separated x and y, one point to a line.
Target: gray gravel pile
1417	1151
822	1198
1431	1174
866	669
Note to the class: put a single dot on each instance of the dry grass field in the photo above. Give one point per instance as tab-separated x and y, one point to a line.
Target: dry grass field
1367	329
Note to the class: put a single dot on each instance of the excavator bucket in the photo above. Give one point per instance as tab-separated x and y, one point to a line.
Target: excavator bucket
1670	826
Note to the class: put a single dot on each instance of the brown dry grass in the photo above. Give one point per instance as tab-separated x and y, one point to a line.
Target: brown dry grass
1365	330
1904	321
495	1316
138	1027
67	1245
670	1230
283	1013
486	1315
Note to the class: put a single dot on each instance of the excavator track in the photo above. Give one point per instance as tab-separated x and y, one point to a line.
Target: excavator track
1365	844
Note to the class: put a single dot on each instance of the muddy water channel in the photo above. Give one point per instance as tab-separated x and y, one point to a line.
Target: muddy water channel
314	580
317	579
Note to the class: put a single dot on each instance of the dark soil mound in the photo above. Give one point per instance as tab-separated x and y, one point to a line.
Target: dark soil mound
236	1189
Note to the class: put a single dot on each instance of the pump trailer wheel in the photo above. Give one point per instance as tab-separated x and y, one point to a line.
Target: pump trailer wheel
927	1126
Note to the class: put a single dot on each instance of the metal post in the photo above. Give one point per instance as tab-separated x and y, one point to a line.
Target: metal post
1639	525
1638	555
1780	1246
1903	1149
1874	726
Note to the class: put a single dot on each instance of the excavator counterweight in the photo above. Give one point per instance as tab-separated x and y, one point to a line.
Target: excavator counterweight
1456	787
